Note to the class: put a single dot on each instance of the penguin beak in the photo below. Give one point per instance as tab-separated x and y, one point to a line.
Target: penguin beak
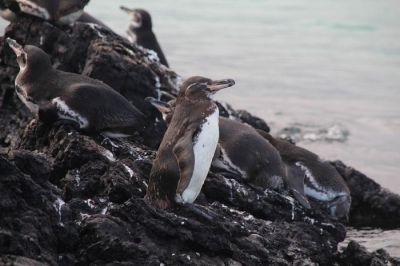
127	10
217	85
163	107
17	48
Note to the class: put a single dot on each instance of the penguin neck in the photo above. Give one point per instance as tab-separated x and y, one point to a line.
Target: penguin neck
194	100
30	72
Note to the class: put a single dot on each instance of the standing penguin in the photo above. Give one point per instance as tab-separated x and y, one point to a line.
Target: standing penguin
60	97
317	177
243	154
140	32
186	151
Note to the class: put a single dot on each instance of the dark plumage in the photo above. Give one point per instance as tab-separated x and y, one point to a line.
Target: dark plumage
58	11
243	154
60	96
318	177
186	151
140	32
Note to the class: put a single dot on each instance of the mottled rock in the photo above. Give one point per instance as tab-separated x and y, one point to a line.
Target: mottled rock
356	254
372	205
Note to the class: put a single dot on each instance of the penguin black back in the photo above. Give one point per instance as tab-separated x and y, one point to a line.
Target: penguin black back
319	179
242	153
61	96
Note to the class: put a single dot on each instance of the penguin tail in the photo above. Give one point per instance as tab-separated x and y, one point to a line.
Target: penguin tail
152	133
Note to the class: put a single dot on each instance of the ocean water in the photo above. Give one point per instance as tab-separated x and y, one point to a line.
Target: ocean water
325	72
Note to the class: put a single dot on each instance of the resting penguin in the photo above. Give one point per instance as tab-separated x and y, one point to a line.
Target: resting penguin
60	11
140	32
61	97
243	154
320	180
186	151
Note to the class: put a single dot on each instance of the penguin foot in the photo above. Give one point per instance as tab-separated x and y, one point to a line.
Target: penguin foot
179	200
340	206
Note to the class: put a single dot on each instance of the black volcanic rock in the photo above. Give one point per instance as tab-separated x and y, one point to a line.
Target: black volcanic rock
372	205
72	199
355	254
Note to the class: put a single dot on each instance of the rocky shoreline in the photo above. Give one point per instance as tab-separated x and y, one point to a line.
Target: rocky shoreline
72	199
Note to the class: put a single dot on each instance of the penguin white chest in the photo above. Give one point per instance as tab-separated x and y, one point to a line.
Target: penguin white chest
204	149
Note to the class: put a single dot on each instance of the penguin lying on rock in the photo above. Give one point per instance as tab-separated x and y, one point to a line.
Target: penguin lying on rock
60	97
140	32
317	177
187	149
243	154
61	12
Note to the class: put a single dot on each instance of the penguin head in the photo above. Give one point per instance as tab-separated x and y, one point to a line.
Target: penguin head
201	87
140	19
29	55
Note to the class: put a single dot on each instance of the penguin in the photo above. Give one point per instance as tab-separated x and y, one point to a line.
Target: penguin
316	176
60	97
61	12
140	32
186	151
243	154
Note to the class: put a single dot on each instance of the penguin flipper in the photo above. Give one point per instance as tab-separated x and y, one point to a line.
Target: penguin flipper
217	153
48	113
295	178
184	154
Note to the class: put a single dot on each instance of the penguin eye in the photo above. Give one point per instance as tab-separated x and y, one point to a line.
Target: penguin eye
138	19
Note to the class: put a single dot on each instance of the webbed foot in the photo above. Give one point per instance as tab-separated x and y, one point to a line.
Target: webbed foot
200	211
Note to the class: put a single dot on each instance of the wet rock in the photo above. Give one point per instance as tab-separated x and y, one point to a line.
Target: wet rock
356	254
372	205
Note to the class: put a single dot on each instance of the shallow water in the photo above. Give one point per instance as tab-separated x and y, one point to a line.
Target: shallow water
326	72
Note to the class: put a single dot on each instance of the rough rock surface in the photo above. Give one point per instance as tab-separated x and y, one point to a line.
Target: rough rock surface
72	199
372	205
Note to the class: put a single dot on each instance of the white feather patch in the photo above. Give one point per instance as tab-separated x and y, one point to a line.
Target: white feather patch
115	135
204	150
223	162
316	191
32	8
64	112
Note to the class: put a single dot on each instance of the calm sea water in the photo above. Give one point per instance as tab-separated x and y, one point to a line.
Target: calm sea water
326	72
